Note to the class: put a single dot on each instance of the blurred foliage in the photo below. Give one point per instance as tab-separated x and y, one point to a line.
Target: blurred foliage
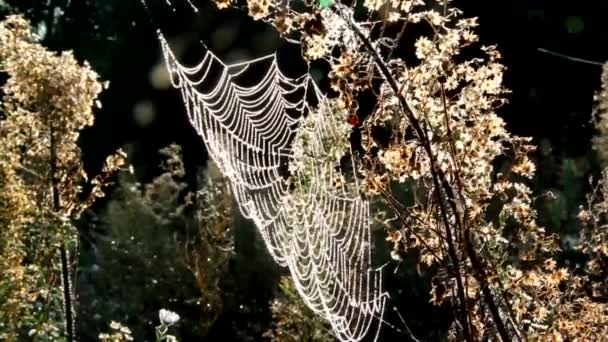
145	226
293	321
574	24
161	245
209	246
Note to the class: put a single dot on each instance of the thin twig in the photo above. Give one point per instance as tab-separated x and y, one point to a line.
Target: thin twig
427	146
440	182
407	328
65	269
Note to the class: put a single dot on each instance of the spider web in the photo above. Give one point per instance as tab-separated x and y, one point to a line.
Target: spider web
321	233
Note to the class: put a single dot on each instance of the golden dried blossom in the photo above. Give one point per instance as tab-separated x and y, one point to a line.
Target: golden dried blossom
223	4
258	9
557	276
283	24
315	47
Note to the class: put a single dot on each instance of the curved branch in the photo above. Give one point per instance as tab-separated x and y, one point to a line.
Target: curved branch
440	182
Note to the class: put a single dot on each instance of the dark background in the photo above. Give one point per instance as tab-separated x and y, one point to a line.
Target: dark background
551	101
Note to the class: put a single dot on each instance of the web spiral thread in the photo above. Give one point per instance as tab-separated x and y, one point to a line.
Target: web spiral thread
321	233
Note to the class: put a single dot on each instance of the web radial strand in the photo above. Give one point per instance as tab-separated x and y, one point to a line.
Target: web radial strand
322	235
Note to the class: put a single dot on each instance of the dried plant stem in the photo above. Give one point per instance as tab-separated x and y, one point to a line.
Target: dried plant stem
65	273
440	183
420	133
65	270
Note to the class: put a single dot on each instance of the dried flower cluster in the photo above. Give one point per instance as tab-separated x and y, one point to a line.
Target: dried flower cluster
47	100
435	124
585	313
